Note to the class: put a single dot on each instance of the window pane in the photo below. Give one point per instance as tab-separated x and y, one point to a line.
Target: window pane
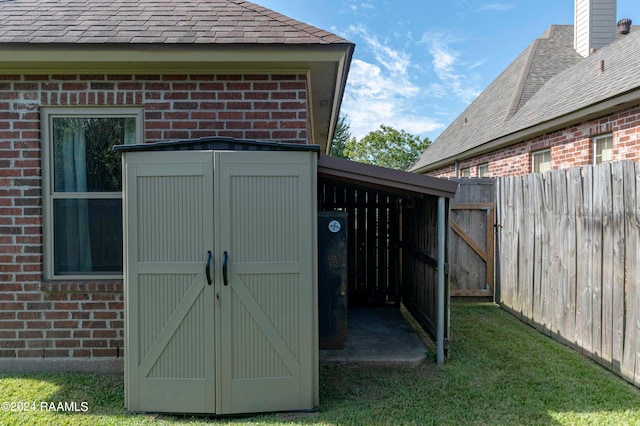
541	161
88	236
83	158
604	149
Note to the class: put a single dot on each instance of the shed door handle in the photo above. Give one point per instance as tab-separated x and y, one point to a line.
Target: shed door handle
225	258
207	268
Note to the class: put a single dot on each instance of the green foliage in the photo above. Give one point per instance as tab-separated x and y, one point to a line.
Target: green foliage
341	137
387	147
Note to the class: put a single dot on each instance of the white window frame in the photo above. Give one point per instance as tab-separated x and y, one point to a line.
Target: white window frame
483	170
598	140
48	196
466	172
536	154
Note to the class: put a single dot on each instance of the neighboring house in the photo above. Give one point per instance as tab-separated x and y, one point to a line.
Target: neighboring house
77	78
572	98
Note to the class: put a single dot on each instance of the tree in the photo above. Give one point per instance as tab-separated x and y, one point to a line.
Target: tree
387	147
341	137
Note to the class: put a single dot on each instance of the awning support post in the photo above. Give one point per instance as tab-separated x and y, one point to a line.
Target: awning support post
440	282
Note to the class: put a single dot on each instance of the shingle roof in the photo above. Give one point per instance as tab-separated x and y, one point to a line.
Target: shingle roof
583	84
554	81
152	21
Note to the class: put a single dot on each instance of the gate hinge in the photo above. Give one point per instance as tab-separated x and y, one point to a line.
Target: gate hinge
446	268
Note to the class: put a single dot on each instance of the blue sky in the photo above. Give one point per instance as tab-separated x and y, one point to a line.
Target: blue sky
419	63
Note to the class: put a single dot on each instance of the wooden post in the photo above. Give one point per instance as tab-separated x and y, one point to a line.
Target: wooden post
440	281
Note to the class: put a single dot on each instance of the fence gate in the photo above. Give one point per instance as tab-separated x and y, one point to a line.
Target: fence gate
472	251
471	239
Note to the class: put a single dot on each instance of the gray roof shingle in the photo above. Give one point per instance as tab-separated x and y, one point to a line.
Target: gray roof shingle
152	21
553	81
583	84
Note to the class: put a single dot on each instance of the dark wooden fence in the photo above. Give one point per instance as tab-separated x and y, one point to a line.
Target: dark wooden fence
569	259
392	249
419	265
372	241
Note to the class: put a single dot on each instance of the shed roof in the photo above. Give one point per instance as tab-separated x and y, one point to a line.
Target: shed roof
152	21
331	168
546	87
216	144
389	180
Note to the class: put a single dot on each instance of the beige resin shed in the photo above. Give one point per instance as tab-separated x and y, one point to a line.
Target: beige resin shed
220	277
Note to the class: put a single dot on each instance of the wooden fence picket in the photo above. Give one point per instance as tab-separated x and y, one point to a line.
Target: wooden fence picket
569	259
618	225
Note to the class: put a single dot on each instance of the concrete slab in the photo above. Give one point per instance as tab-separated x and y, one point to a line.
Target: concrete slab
380	336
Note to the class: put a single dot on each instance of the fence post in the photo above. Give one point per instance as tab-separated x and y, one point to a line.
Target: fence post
440	281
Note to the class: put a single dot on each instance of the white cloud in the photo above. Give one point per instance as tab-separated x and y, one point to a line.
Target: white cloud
384	89
393	60
374	96
446	64
499	7
356	6
478	63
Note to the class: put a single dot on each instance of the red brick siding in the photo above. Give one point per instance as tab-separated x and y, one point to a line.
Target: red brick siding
85	318
570	147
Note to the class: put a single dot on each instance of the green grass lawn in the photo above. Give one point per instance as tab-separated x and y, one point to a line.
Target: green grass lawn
501	372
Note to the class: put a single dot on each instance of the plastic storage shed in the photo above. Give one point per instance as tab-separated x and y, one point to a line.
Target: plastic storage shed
220	277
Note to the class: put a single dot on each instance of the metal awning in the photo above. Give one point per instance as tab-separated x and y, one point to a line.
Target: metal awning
382	178
433	191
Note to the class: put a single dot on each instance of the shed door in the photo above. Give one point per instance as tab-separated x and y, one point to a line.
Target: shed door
268	341
170	308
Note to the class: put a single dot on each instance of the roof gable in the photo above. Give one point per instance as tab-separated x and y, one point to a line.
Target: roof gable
550	54
558	82
152	21
584	84
486	116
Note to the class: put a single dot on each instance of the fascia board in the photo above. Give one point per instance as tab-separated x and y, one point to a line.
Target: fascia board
176	54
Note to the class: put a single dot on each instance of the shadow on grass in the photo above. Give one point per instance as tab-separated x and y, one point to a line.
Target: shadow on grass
503	371
500	371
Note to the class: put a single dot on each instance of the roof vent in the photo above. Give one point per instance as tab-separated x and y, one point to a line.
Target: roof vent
624	26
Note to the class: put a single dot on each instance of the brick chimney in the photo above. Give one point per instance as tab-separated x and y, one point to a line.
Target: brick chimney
594	26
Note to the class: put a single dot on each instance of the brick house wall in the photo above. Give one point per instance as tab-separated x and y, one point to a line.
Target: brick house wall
84	319
570	147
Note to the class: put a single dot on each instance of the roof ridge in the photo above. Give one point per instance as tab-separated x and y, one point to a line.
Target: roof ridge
529	75
313	31
524	77
607	84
